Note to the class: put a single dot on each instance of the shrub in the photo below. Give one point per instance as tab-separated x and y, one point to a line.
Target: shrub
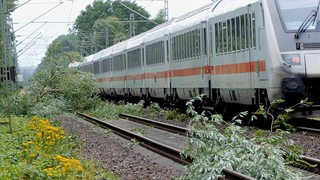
214	149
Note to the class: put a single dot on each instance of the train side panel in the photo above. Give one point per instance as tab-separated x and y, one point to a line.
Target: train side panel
240	61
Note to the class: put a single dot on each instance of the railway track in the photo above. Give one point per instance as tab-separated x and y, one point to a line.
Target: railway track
164	126
309	164
157	147
169	152
309	131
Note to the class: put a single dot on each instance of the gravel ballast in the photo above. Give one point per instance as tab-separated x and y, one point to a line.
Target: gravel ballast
135	162
115	154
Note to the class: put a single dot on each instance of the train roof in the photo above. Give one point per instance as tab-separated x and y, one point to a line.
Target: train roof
119	47
136	41
177	24
225	6
106	52
192	18
87	60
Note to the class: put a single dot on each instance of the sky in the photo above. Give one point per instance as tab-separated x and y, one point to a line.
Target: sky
38	22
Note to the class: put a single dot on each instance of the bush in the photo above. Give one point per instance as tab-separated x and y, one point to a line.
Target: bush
214	149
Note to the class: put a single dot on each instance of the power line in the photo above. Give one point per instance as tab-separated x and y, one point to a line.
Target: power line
39	16
11	10
137	13
31	34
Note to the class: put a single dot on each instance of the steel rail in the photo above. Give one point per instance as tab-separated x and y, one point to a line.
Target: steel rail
159	148
160	125
309	164
314	168
150	144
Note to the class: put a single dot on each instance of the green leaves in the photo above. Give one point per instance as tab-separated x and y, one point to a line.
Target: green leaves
214	147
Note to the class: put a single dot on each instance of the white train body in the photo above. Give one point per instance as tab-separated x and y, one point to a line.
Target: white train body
233	51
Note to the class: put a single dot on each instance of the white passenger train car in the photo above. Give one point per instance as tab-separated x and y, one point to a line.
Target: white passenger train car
233	51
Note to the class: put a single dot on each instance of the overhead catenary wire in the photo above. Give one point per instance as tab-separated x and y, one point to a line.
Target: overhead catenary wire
38	17
27	46
11	10
31	34
138	13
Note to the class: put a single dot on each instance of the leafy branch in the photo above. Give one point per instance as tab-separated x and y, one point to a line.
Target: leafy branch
282	118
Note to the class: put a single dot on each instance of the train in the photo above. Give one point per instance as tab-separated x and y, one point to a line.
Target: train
245	52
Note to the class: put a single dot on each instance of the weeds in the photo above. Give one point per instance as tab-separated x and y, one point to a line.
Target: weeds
39	150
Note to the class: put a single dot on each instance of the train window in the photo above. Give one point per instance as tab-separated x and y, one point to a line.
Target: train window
106	65
217	36
233	35
224	37
242	32
183	47
294	13
188	44
119	62
96	68
204	35
238	33
221	37
134	58
229	28
210	40
188	53
155	53
178	48
197	43
193	53
247	30
174	48
253	30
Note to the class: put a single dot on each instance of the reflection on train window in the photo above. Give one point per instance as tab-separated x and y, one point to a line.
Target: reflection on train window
188	45
87	68
96	67
119	62
134	58
106	65
155	53
235	34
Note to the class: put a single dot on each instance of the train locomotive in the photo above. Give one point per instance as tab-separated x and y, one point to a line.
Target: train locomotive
246	52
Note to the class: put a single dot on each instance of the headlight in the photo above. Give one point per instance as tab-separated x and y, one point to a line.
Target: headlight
291	59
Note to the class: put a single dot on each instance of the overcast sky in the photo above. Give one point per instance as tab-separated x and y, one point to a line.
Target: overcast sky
51	18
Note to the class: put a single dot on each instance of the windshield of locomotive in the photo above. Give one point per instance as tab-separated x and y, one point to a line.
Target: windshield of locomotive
296	12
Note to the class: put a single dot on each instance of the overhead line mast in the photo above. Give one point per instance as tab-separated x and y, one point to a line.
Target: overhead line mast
8	60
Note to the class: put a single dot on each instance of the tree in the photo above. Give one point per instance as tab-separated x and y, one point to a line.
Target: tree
108	31
55	87
103	17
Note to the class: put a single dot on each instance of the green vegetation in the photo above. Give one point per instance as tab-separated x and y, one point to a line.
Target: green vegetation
281	120
214	145
39	150
105	23
133	142
36	149
174	114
